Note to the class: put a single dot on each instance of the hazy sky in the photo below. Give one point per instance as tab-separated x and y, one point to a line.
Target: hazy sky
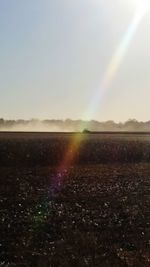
54	55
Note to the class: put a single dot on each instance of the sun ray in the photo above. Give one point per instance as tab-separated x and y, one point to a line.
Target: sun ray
114	64
109	75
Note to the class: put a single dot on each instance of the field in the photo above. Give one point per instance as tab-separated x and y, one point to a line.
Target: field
95	214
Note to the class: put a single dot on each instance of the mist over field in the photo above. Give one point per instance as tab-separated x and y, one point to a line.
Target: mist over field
69	125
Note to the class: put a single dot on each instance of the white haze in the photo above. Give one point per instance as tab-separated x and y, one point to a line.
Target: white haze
69	125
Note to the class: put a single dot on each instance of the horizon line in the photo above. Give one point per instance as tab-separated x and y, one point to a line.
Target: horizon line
74	120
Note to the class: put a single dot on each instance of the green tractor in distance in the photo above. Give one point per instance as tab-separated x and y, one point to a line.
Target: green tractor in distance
86	131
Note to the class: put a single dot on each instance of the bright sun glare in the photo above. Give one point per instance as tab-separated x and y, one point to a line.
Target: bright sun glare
142	4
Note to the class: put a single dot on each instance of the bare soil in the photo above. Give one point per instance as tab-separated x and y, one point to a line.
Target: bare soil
97	214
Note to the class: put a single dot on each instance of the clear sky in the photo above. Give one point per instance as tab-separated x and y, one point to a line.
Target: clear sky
55	56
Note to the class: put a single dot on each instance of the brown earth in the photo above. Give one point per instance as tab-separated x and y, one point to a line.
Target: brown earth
97	214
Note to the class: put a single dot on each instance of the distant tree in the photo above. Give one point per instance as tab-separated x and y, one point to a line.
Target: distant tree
2	122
